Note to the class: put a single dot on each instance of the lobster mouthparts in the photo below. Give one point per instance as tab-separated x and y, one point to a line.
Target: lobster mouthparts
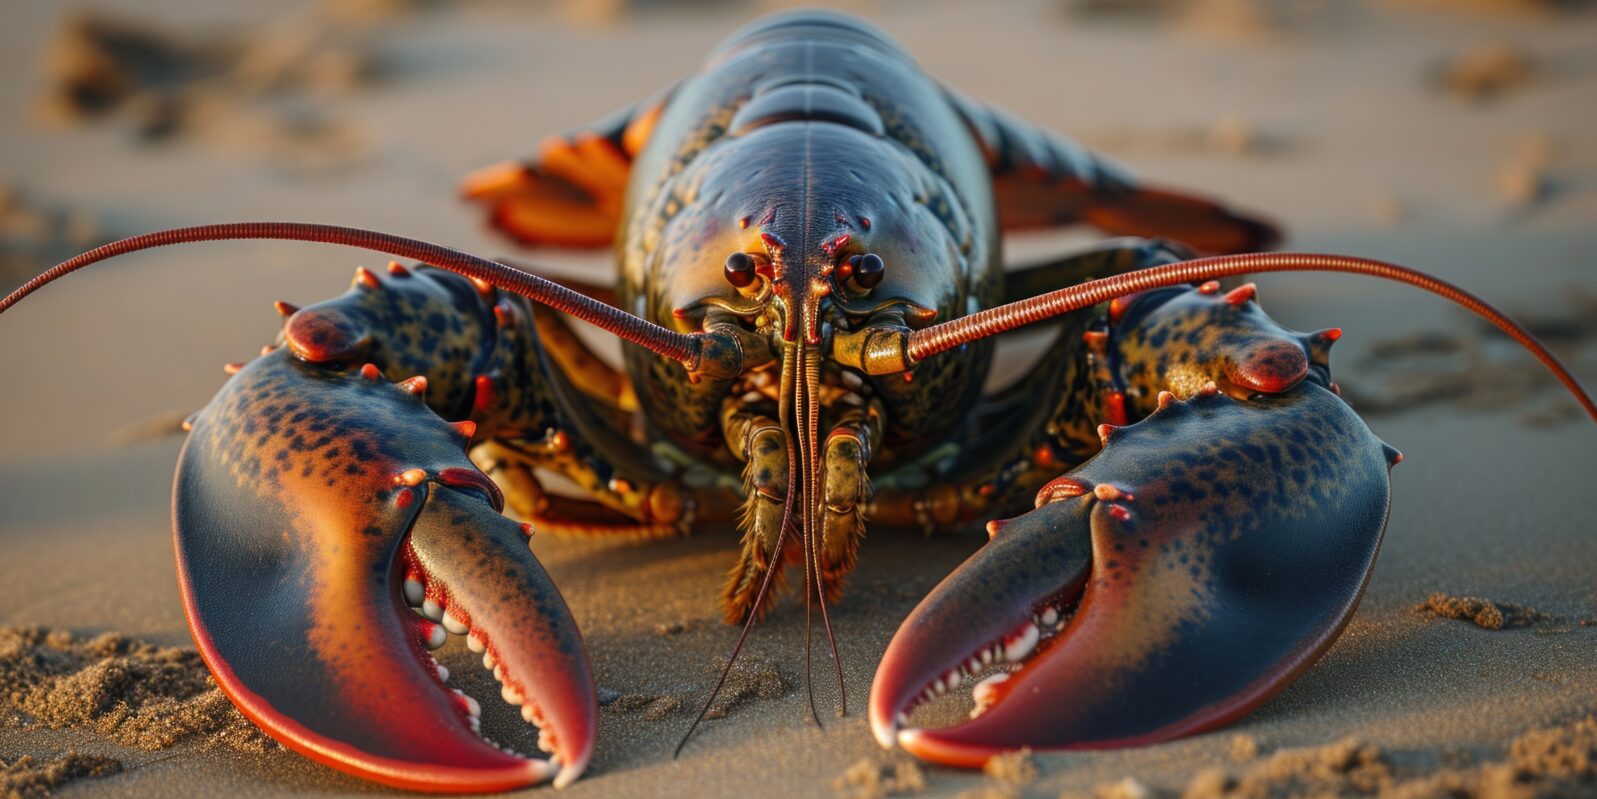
1192	569
313	509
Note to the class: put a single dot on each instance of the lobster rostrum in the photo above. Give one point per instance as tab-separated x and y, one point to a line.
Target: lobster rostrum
808	234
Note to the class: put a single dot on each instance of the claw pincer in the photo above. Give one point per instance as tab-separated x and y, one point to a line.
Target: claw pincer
311	501
1189	571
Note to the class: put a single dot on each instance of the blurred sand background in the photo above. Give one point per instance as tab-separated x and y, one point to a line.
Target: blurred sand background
1455	137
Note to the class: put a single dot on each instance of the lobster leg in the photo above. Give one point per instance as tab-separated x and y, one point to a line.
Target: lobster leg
627	510
1193	568
1043	180
570	193
591	374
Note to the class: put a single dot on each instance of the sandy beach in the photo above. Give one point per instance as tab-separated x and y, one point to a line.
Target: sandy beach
1460	139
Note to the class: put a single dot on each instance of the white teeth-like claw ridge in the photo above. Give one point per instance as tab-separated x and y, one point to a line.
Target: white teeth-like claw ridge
510	695
436	636
1021	646
415	594
1050	616
472	708
984	693
474	643
443	673
454	625
432	610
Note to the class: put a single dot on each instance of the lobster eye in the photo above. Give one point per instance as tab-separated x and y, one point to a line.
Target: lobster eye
868	270
740	269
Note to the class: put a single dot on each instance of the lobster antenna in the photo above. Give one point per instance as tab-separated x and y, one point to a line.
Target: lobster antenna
765	586
805	422
656	339
947	335
754	610
812	374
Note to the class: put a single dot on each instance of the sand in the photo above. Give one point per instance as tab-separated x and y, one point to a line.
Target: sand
26	778
1334	121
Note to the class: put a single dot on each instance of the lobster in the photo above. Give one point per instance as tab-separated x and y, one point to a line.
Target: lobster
808	237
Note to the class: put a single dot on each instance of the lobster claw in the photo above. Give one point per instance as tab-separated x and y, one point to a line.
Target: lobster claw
1177	580
308	503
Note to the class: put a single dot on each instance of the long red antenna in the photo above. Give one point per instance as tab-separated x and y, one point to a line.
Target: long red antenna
668	343
938	338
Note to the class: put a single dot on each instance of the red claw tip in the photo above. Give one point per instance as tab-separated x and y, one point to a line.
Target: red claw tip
1119	305
526	529
1209	389
1115	407
285	309
1166	399
416	385
233	368
411	477
367	278
557	441
484	398
1211	287
465	429
370	371
1104	431
397	269
1329	334
268	349
994	527
1242	293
